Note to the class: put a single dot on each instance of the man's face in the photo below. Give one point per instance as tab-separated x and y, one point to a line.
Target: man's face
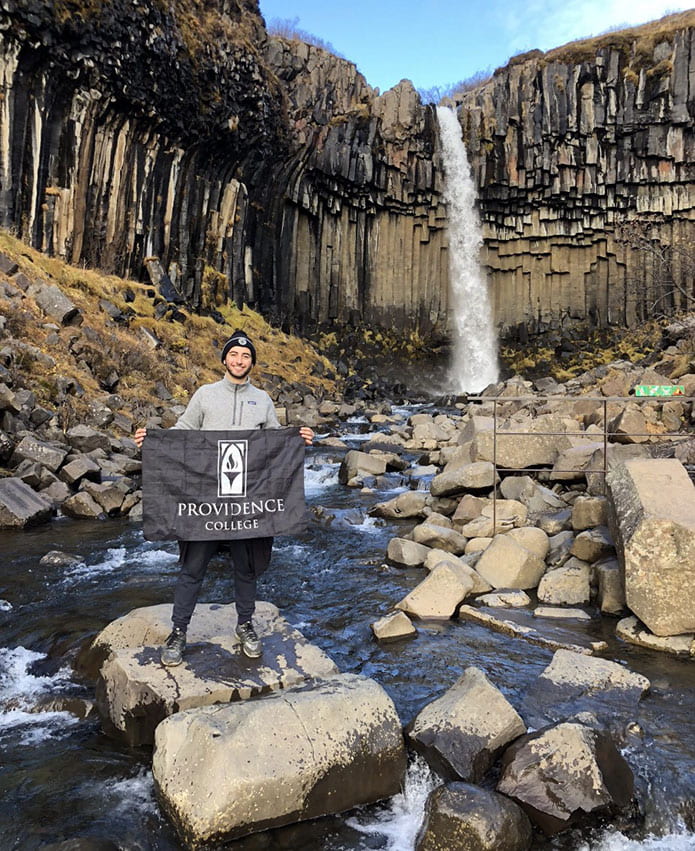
238	363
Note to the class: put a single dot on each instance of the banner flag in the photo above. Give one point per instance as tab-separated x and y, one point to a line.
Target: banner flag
222	485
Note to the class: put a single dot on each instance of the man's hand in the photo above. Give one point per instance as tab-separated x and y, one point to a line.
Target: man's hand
139	436
304	432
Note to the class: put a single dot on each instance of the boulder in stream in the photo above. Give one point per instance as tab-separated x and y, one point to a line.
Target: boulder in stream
460	733
135	692
462	817
562	773
292	755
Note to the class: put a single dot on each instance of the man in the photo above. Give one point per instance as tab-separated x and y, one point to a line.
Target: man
232	403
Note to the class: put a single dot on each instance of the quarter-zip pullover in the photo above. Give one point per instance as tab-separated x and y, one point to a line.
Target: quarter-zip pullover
223	406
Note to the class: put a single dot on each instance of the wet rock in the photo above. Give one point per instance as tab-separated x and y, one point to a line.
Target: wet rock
633	631
405	505
108	495
575	682
508	564
560	774
393	626
460	733
462	817
611	588
405	552
56	493
356	464
439	594
135	692
568	585
593	544
653	518
561	613
57	558
82	506
20	506
436	557
298	754
505	599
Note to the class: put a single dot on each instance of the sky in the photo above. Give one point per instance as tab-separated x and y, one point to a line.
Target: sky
435	43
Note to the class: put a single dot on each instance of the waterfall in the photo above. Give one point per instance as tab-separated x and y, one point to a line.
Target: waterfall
475	344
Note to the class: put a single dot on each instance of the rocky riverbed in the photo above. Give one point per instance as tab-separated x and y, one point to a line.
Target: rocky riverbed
334	586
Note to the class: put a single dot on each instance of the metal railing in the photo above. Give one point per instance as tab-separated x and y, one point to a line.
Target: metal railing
604	401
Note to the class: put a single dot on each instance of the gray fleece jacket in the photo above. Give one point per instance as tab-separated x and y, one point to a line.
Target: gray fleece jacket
224	406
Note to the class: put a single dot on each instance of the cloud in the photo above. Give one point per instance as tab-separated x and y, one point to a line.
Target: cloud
550	23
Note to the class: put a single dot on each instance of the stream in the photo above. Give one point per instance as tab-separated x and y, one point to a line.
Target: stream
61	778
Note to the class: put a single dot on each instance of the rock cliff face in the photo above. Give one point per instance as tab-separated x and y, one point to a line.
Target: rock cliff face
268	171
585	159
264	168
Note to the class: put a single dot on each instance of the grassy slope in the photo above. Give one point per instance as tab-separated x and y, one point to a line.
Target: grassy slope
188	355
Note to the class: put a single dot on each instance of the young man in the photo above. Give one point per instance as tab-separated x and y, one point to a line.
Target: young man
232	403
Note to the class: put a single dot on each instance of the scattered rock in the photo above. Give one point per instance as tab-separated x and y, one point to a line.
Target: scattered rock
560	774
462	817
393	626
461	732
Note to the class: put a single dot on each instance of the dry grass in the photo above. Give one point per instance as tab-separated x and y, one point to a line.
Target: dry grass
637	44
187	357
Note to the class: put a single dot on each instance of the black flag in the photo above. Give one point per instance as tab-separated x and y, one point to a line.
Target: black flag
222	485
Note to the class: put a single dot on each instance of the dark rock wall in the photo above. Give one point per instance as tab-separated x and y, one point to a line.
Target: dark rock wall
271	171
358	229
585	159
125	127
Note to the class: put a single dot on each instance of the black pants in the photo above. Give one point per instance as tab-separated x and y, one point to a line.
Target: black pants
196	557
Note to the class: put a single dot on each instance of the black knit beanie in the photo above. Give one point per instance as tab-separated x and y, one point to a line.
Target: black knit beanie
239	338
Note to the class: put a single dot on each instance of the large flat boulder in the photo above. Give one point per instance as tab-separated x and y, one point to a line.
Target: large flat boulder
652	520
460	733
293	755
135	692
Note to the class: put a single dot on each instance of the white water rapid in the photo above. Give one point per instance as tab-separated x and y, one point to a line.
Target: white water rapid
475	341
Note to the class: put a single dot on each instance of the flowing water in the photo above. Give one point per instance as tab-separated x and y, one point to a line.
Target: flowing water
62	778
475	345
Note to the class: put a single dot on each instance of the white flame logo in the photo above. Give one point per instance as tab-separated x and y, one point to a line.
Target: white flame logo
231	467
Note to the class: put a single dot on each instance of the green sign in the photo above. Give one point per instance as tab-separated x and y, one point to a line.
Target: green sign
659	390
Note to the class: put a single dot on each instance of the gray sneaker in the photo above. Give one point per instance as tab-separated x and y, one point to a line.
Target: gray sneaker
250	642
172	652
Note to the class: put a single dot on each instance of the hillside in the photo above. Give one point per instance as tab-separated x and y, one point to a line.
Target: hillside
126	347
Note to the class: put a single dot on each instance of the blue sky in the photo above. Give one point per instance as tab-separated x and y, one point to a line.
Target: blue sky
438	42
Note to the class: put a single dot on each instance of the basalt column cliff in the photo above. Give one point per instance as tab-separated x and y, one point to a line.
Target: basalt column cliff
255	168
585	162
269	172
